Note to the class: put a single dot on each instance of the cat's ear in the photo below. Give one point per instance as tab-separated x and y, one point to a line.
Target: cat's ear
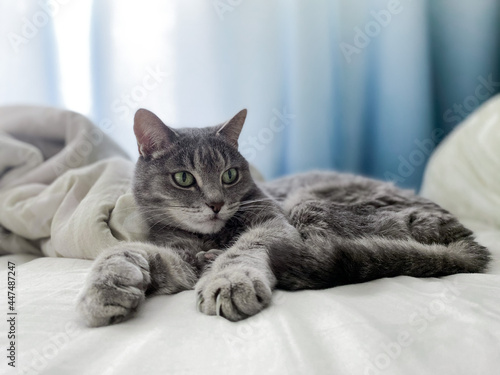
231	130
153	136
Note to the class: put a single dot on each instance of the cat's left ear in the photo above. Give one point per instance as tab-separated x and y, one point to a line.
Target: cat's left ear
231	130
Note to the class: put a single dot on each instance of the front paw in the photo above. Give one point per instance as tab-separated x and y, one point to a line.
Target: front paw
234	293
115	288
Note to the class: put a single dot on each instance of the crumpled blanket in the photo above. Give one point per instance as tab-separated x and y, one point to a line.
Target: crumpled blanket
64	185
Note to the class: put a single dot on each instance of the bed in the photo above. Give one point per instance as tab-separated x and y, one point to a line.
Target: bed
400	325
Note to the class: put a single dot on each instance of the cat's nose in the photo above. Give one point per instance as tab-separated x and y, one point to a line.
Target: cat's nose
215	206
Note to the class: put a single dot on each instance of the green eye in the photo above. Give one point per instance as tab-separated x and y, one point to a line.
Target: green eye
230	176
184	179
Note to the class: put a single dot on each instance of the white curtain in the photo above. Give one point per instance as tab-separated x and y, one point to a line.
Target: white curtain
350	85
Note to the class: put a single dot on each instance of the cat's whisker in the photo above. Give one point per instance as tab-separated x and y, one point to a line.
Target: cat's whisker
255	201
249	209
252	208
135	209
156	223
168	217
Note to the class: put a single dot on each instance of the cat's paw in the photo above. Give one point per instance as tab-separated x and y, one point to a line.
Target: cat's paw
204	258
234	293
115	288
436	226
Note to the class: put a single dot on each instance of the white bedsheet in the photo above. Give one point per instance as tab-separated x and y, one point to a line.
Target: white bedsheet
401	325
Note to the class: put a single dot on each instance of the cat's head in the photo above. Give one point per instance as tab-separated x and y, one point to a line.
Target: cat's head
190	178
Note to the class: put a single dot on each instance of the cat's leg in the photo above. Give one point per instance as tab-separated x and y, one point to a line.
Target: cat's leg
335	256
122	276
239	283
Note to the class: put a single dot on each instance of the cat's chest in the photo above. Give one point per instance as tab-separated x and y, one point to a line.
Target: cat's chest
189	242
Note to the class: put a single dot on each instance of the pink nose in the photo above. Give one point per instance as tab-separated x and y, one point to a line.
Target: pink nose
215	206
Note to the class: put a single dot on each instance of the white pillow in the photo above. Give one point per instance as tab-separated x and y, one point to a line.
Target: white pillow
463	175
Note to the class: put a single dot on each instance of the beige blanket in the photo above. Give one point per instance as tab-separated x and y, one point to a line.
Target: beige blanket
64	185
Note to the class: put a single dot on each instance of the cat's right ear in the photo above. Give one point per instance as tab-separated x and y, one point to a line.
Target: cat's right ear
153	136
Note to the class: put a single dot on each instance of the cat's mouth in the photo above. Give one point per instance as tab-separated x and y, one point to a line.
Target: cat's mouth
216	222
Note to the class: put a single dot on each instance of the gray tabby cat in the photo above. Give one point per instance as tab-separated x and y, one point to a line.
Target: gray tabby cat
213	228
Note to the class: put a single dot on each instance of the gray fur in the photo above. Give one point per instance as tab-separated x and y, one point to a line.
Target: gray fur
312	230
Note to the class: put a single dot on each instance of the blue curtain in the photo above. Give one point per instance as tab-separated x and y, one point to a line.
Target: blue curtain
368	87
